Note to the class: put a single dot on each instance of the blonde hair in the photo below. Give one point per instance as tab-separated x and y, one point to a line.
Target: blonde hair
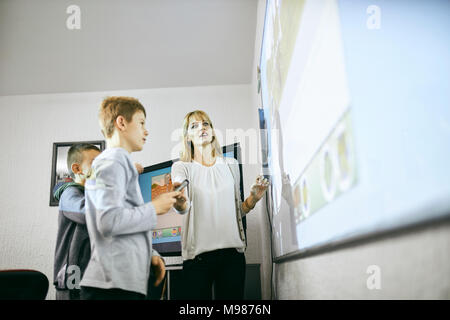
112	107
187	153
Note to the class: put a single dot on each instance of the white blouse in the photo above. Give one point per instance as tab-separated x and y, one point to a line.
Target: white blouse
213	203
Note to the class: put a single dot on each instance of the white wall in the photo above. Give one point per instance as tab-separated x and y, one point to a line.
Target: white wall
411	265
32	123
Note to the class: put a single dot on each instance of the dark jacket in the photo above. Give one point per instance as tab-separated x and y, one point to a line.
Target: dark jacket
72	243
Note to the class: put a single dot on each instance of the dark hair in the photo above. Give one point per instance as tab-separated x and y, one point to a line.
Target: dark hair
75	154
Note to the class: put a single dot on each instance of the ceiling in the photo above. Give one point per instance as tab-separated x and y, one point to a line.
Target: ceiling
125	44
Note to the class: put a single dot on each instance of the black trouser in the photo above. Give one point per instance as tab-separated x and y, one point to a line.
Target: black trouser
90	293
224	268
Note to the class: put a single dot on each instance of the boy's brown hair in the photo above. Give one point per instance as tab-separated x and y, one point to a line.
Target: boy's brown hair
112	107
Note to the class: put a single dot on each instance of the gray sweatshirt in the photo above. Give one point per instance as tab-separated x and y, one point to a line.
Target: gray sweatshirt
72	242
119	225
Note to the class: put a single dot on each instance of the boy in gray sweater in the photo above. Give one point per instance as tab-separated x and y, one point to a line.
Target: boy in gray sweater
118	221
72	250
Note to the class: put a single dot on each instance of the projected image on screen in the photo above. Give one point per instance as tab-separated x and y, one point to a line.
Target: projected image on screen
354	123
281	26
305	97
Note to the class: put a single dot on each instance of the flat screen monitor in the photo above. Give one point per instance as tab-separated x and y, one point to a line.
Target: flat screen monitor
155	180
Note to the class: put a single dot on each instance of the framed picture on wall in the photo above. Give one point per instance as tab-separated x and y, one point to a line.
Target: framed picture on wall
60	172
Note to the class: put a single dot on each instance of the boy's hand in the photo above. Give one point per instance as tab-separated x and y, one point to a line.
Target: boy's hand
139	167
165	201
159	269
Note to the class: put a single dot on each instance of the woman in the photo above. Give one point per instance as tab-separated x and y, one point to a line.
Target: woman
213	239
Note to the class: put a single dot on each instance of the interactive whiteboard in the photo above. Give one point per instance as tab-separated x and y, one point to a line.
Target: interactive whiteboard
356	105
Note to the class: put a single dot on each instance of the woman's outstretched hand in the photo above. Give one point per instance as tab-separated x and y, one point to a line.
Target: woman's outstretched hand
259	187
180	203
